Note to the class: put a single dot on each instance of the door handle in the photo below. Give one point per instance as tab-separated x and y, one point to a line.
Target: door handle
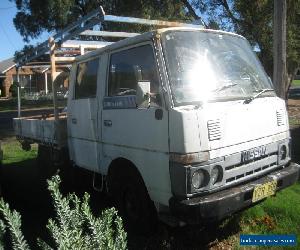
74	120
107	123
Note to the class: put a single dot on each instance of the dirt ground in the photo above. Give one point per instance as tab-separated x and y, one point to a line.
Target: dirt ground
27	193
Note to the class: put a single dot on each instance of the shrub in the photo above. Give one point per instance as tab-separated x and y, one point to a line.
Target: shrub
13	89
74	226
13	224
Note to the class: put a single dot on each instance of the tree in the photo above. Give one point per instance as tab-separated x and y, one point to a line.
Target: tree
250	18
35	16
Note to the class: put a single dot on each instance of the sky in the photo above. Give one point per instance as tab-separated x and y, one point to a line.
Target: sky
10	39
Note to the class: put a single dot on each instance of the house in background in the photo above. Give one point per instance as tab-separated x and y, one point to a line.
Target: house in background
34	78
6	78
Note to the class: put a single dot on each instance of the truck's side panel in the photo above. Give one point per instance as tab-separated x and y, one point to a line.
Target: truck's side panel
148	150
83	133
139	135
82	115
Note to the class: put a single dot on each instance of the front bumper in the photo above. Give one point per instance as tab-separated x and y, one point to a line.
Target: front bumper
219	205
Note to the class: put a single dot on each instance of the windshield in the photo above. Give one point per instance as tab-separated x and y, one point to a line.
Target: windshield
207	66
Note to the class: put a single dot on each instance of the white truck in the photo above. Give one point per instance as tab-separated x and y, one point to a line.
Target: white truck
179	122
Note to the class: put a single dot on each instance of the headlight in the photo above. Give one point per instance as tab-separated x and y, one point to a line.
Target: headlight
216	174
198	179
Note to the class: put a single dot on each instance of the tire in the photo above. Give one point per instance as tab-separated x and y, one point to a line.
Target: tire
45	162
130	196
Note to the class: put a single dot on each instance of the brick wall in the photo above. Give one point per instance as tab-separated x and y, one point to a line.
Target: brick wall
9	79
38	80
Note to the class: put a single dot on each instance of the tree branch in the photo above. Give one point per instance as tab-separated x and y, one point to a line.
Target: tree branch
225	5
190	9
81	7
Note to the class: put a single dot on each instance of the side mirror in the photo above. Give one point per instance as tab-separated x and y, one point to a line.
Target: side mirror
143	94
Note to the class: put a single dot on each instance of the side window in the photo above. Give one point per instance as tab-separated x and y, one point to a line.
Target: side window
86	79
130	66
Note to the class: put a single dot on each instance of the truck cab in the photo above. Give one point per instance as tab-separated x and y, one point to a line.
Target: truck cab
179	121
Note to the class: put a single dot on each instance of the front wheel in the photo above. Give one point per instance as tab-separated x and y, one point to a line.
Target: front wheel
45	162
131	198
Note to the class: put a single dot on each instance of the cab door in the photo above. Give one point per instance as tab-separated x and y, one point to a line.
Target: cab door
137	134
82	115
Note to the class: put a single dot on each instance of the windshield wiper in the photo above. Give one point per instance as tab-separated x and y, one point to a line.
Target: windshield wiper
250	99
224	87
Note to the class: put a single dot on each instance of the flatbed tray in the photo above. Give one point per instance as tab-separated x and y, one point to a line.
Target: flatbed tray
42	129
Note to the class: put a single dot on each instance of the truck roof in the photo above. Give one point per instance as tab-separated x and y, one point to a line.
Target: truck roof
146	37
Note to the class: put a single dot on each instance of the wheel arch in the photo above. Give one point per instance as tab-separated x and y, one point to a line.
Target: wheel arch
121	164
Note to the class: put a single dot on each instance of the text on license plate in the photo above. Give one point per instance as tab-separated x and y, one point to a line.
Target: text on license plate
262	191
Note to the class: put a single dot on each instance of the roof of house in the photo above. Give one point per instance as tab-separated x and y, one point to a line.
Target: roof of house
6	65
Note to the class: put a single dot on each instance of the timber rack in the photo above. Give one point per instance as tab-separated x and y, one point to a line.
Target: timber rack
82	36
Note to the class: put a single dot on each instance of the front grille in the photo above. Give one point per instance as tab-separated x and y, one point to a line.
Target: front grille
231	179
214	130
242	164
280	117
254	168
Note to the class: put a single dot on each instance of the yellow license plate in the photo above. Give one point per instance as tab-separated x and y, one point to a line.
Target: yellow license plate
262	191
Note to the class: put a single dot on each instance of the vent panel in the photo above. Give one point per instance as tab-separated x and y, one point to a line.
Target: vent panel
280	117
214	130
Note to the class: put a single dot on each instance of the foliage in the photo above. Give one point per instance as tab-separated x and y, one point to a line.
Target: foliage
74	227
14	89
251	18
2	233
35	16
13	221
28	49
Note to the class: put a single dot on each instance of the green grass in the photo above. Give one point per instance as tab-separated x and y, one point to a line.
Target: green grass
294	121
276	215
12	104
296	83
13	153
